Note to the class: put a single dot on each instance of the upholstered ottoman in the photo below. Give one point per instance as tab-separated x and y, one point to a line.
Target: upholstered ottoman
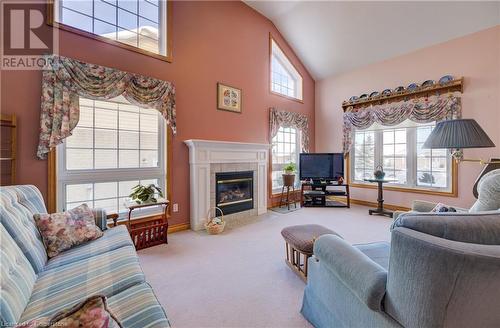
299	242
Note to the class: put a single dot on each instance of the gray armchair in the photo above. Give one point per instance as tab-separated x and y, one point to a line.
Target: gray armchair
440	270
437	272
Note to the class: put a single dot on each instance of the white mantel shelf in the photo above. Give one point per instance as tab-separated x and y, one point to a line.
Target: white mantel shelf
203	153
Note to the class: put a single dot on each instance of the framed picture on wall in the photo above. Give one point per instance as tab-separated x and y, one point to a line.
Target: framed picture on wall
228	98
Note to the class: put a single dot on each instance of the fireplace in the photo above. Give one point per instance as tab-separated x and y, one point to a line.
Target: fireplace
234	191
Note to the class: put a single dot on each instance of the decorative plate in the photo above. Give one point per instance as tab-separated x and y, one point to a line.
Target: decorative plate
412	87
353	98
428	83
386	92
399	89
363	96
374	94
446	79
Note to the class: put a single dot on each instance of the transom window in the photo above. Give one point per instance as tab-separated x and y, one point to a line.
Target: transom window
399	150
114	147
285	150
138	23
285	79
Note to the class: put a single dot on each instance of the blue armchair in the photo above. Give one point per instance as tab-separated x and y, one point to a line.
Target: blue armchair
440	270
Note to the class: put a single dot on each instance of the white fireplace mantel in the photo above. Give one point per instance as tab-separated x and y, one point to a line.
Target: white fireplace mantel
203	153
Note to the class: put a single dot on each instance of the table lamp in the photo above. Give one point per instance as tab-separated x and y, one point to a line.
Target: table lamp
457	135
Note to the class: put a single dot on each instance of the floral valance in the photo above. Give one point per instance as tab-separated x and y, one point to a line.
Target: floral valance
420	110
65	80
290	120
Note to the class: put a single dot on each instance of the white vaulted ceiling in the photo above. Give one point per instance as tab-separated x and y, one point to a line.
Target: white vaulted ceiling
334	37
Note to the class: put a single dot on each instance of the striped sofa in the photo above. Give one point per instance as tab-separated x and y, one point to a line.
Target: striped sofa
33	286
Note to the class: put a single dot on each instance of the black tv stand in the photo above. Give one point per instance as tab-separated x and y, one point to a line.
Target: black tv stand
316	194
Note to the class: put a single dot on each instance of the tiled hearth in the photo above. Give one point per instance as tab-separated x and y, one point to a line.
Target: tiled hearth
208	157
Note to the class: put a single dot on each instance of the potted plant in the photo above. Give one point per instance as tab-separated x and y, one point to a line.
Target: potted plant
145	194
289	175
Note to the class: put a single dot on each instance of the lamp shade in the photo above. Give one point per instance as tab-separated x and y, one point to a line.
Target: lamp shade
458	134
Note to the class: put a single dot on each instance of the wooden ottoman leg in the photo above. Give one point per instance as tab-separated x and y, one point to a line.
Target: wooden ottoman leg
287	251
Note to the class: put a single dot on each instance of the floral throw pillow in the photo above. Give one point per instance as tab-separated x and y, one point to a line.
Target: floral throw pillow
91	313
62	231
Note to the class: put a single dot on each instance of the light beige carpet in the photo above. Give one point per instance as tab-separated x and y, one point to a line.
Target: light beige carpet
239	278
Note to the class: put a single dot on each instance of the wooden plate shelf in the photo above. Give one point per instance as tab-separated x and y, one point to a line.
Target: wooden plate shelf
437	89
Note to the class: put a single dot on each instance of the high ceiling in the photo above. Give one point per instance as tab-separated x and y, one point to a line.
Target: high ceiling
334	37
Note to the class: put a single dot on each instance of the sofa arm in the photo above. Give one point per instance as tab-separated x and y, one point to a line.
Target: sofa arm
100	218
365	278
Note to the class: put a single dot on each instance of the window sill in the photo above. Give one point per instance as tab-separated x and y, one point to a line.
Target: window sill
278	193
446	193
286	97
167	58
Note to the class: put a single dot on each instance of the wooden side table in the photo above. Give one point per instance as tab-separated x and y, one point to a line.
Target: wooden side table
380	199
151	232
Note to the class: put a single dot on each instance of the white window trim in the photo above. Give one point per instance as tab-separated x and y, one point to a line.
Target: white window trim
275	191
411	173
277	52
66	177
163	26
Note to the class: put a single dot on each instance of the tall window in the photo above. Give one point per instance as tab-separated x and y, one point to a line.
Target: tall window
285	150
399	150
114	147
364	150
138	23
432	164
285	79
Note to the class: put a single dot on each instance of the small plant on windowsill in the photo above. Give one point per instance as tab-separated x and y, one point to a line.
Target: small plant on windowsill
289	175
145	194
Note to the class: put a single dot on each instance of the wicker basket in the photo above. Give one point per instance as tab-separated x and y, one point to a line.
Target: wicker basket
214	229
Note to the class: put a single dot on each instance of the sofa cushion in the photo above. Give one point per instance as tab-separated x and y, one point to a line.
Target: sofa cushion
17	279
378	252
18	220
112	239
65	230
137	307
61	287
489	193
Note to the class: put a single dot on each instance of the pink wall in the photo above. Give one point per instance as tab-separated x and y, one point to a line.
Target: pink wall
475	56
212	42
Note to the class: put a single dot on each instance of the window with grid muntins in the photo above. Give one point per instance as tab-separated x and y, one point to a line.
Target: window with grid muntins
399	151
138	23
364	154
285	149
432	164
282	81
285	79
394	154
114	147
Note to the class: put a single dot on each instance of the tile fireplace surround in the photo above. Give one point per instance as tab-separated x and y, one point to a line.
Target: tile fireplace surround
208	157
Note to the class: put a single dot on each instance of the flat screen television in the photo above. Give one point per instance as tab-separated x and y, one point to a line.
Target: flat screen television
321	166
